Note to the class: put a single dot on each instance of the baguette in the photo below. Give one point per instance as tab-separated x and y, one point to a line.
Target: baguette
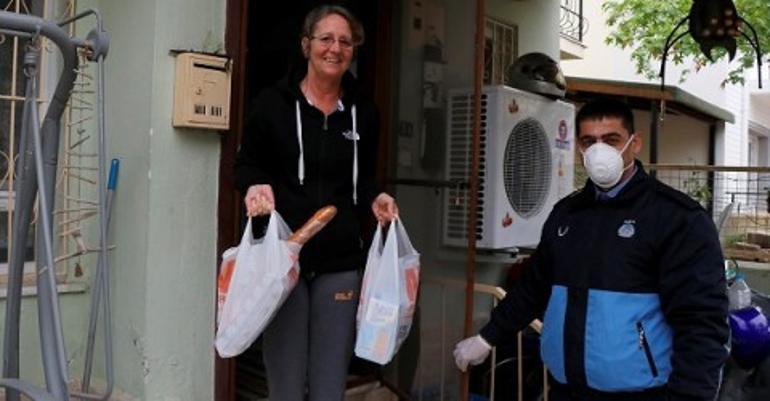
322	217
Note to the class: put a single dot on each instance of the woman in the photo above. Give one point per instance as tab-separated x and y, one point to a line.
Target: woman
311	141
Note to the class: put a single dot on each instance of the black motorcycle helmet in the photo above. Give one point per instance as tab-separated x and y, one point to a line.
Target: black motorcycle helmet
537	73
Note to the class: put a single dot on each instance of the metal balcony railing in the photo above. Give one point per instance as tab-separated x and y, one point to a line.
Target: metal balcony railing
571	21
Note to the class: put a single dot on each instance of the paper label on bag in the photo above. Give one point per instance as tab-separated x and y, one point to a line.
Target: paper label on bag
412	282
382	343
381	312
375	343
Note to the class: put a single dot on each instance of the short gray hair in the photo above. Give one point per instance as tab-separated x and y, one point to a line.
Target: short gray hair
321	12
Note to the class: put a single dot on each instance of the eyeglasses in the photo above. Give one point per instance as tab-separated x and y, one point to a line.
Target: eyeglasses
328	40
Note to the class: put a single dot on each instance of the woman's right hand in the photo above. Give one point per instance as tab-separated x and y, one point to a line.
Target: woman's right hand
259	200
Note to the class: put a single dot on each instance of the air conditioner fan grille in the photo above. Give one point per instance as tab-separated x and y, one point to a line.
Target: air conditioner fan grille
527	167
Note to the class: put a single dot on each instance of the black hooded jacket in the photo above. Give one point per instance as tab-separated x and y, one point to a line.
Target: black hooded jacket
270	154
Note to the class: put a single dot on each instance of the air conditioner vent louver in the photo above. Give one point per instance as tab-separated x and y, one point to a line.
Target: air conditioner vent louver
527	167
459	163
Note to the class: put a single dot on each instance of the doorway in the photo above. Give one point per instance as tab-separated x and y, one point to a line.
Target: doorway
263	40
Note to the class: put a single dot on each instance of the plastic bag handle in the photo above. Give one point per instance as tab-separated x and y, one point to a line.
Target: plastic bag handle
405	244
272	226
247	233
272	229
377	239
391	240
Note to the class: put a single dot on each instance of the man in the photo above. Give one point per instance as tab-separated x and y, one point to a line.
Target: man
629	275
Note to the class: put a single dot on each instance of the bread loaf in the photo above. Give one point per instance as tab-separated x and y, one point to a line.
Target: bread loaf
322	217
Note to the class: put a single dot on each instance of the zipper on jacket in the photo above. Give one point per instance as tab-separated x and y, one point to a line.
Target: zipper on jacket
643	344
326	123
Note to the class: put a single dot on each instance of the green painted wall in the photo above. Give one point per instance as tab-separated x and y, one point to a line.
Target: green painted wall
165	210
128	88
163	218
74	310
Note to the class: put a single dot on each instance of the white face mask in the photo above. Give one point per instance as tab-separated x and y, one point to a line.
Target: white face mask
604	164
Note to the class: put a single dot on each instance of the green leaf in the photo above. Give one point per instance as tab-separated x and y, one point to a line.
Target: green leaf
643	26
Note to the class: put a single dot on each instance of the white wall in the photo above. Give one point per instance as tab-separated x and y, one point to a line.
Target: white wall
759	107
683	139
735	149
538	23
602	61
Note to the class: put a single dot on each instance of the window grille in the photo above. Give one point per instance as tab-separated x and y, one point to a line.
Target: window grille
76	177
500	50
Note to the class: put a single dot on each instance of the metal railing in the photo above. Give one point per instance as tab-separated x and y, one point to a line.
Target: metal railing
437	376
571	21
716	187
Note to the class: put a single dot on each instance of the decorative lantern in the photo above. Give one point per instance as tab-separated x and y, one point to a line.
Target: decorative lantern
713	23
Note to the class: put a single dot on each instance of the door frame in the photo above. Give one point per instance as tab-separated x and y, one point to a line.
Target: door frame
228	207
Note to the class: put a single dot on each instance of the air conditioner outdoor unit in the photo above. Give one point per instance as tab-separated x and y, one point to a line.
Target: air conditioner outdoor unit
526	165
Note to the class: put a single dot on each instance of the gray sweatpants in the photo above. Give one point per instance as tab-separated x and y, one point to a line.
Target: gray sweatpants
310	340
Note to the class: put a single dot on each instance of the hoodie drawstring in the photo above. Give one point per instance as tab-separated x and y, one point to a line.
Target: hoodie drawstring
301	161
301	167
355	155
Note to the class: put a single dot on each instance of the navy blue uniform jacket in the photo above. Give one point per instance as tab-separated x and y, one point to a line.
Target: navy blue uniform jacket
632	290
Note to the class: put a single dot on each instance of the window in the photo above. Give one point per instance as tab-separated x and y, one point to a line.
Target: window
76	185
500	50
12	87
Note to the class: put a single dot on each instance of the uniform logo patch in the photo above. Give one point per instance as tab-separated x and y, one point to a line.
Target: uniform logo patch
562	231
344	295
350	135
627	229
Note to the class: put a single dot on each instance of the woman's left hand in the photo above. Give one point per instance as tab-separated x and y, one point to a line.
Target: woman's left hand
384	208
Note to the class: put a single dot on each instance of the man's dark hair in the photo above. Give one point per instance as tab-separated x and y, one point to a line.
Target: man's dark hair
603	108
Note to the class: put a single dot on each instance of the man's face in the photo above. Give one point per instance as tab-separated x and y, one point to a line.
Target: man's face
609	130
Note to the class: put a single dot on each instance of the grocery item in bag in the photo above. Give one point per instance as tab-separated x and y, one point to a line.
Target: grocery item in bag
226	269
311	227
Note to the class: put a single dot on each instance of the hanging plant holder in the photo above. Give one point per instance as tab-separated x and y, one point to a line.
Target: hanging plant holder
713	23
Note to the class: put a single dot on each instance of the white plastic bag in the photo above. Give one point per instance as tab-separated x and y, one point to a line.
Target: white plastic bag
388	295
265	273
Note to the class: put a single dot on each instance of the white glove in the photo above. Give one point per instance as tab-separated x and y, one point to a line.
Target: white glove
472	350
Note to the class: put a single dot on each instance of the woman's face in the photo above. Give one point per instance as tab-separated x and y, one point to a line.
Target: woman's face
330	49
